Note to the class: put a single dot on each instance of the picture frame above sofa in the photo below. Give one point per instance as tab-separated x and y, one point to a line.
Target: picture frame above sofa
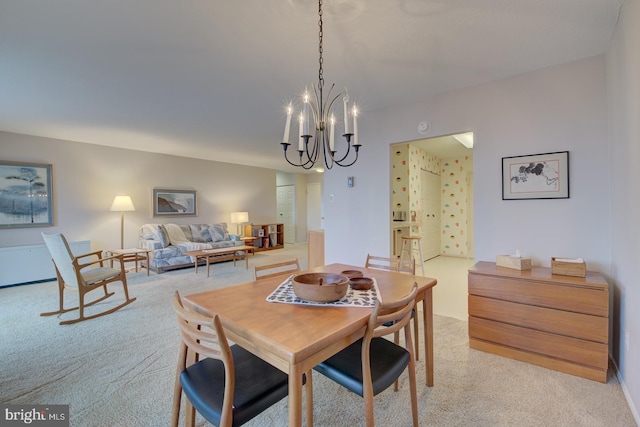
172	203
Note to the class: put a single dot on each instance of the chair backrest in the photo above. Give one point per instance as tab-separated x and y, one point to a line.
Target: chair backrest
392	264
394	315
276	269
62	257
203	336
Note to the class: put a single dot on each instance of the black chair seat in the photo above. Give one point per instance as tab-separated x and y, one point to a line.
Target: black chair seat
258	385
388	361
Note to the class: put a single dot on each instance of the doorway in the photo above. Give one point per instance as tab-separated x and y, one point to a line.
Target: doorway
430	208
449	159
286	202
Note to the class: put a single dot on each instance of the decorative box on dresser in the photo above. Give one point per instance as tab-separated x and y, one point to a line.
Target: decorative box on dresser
558	322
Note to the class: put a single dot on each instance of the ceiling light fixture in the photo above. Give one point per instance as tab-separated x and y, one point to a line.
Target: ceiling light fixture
324	123
465	139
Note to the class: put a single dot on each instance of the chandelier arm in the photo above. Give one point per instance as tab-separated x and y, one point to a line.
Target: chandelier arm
332	101
327	105
314	106
339	163
313	155
345	154
301	164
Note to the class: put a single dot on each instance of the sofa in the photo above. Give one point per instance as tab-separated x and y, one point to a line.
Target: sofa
169	242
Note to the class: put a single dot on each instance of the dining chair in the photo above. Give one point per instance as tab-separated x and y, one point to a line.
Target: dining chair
391	264
276	269
401	266
371	364
227	385
73	273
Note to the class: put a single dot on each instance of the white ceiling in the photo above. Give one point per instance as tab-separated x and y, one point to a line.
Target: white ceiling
210	78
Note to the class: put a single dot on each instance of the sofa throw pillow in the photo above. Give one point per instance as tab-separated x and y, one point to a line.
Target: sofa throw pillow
186	229
163	236
200	233
217	233
176	234
149	232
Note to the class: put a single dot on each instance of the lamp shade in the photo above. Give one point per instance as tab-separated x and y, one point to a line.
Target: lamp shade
239	217
122	204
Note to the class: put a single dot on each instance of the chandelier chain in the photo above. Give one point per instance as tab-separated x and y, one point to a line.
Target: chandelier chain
320	37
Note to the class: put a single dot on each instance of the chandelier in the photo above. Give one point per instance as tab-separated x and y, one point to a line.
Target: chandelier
317	114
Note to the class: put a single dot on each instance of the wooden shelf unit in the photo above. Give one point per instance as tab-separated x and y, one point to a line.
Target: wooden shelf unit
267	236
557	322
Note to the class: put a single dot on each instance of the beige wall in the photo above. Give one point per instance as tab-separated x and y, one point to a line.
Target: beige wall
87	177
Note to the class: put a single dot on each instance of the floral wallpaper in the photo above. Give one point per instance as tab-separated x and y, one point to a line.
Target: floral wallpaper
407	163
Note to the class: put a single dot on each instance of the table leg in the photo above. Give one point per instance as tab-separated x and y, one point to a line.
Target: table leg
427	318
195	264
246	260
208	266
148	267
308	392
295	396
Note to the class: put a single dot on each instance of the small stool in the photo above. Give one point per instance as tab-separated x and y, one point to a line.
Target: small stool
412	248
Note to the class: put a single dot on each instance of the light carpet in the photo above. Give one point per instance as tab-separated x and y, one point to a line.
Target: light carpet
118	370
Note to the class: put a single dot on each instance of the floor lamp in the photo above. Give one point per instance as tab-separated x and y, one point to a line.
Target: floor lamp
122	204
239	218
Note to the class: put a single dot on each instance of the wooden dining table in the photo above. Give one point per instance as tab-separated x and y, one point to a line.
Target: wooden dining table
295	338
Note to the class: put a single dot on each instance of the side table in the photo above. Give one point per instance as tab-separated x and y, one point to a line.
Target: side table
132	255
248	241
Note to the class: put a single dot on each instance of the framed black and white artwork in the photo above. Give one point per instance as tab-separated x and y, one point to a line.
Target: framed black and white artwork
536	176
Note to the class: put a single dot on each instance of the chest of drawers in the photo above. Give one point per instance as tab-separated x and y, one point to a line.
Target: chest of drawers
558	322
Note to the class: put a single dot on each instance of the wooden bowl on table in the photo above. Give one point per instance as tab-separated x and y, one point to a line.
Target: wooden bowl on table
320	287
361	283
351	273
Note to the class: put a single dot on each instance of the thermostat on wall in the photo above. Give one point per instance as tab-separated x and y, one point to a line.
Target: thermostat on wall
349	181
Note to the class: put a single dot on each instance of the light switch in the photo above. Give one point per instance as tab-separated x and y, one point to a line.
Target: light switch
349	181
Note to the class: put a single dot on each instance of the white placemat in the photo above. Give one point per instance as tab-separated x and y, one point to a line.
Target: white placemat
284	294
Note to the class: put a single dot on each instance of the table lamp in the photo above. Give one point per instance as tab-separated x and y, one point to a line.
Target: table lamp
239	218
122	204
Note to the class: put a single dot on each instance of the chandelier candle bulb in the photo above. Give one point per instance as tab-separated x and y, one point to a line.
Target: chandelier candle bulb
301	131
305	113
332	134
356	136
345	99
287	126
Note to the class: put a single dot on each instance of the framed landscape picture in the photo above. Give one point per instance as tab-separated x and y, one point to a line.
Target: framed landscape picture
174	202
536	176
26	196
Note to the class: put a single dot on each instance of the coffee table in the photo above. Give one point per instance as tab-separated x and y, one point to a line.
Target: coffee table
221	254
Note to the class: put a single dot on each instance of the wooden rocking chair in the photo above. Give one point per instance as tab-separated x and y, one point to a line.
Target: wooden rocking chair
73	275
